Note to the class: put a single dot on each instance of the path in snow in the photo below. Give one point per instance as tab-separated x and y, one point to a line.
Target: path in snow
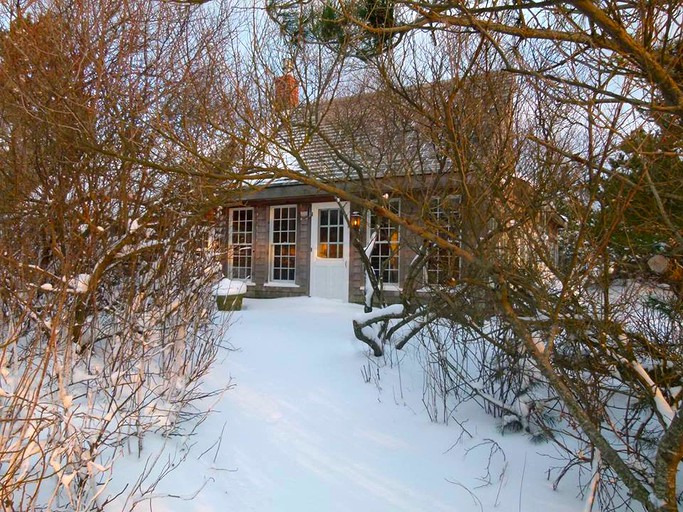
304	432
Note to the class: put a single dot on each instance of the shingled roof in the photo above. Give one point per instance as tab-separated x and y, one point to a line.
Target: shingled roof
396	132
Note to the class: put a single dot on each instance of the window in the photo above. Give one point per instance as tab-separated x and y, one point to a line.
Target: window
384	257
330	234
443	267
511	243
554	249
240	240
283	243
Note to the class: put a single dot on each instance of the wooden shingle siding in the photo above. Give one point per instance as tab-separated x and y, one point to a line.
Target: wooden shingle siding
303	249
356	273
261	239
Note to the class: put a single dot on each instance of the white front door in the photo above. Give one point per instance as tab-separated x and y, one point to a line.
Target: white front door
329	252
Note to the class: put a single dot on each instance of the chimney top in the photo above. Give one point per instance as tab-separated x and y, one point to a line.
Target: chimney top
286	88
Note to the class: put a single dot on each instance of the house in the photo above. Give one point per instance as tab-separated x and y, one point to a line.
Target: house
414	158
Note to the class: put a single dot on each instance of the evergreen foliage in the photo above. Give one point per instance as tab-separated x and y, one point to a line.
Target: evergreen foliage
647	163
356	28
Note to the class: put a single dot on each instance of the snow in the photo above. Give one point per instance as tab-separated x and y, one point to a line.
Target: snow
315	424
393	309
656	501
662	405
134	225
538	342
227	287
79	284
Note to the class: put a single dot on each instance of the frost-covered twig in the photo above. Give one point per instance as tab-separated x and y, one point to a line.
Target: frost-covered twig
593	484
364	331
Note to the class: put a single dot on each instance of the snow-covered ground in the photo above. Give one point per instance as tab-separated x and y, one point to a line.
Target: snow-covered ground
302	431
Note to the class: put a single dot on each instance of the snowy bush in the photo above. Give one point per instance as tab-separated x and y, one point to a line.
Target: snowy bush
624	365
86	376
106	313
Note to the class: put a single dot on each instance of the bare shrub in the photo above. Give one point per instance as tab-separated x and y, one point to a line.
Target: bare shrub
107	260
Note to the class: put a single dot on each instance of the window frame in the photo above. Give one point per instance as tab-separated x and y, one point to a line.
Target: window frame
338	228
394	253
437	211
272	244
232	253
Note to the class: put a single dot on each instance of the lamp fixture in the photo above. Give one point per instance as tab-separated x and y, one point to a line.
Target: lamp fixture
356	220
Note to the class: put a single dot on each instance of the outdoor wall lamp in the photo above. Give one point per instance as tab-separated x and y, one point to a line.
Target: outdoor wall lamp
355	220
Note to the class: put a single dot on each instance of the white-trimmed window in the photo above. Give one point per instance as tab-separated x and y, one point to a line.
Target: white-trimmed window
283	243
443	267
330	234
385	254
512	241
240	243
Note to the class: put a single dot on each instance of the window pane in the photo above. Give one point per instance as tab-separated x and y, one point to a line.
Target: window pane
443	267
283	243
330	234
240	243
385	254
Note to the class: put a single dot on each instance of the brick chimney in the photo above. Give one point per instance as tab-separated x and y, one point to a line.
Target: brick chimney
286	89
